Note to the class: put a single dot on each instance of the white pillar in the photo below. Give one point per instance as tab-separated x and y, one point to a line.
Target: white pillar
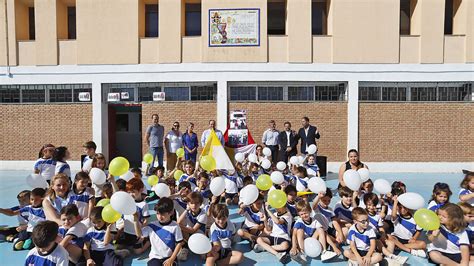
353	114
222	105
99	120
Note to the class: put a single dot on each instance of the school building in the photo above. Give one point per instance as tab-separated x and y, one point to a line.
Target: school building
391	78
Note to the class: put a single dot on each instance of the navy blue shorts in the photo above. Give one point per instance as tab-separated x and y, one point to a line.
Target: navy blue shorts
224	252
158	262
456	257
106	257
276	240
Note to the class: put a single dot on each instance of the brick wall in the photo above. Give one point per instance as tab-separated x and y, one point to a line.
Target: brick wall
197	112
416	132
27	127
330	118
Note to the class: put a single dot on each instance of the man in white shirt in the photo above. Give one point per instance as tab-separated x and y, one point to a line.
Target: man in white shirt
270	140
207	132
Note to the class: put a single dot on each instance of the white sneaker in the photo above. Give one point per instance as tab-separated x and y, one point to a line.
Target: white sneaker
419	253
352	263
257	248
327	255
183	254
302	257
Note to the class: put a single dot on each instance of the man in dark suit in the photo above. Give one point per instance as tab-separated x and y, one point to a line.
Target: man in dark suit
287	141
308	134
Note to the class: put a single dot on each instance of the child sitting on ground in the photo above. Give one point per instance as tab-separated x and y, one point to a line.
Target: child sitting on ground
343	209
47	251
10	233
253	224
466	194
441	194
72	232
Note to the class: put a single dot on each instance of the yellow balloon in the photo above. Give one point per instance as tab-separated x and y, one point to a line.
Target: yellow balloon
119	166
277	198
103	202
180	152
178	174
426	219
152	180
208	163
110	215
148	158
264	182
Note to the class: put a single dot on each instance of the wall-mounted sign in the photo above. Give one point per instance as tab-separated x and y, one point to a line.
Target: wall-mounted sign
124	95
234	27
158	96
113	97
84	96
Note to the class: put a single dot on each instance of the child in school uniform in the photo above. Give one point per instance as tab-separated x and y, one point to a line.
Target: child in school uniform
72	232
46	165
253	224
165	235
82	195
311	166
180	198
291	197
301	177
61	155
98	247
203	187
441	194
343	209
221	233
10	233
450	243
189	174
468	211
47	251
361	238
232	181
466	194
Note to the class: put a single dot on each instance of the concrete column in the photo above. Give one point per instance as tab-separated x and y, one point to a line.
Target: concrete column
352	114
299	31
100	130
46	33
222	105
170	29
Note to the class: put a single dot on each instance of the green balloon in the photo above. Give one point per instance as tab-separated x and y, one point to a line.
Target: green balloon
148	158
152	180
264	182
103	202
119	166
427	219
277	198
109	215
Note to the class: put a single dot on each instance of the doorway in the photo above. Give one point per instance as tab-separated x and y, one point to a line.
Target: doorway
125	132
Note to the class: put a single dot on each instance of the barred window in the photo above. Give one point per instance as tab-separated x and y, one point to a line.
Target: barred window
394	94
33	93
176	93
60	93
239	93
204	93
145	92
305	93
455	93
9	94
369	93
331	93
270	93
423	94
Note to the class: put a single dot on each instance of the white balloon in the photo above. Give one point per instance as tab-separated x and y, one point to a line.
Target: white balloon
87	166
217	185
97	176
162	190
36	181
301	159
267	152
266	164
239	157
311	172
199	244
123	202
281	166
382	186
249	194
352	179
294	160
311	149
312	247
252	158
412	200
127	176
316	184
364	174
277	177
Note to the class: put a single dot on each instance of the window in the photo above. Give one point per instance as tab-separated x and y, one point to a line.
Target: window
145	93
176	93
121	122
203	93
448	17
423	93
393	94
369	93
31	23
39	93
82	88
318	17
33	93
71	22
276	15
62	93
334	92
405	17
455	93
270	93
300	93
193	19
243	93
9	94
151	21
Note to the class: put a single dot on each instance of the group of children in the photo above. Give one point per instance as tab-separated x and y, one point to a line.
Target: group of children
62	224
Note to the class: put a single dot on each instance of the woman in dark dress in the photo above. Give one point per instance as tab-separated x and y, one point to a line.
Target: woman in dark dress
353	163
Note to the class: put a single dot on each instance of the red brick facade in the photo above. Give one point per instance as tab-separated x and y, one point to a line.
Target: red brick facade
330	118
416	132
27	127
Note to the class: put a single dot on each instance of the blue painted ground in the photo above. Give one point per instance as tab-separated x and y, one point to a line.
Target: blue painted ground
14	181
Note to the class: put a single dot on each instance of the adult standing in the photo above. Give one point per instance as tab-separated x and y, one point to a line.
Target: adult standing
190	143
173	141
287	141
308	134
353	163
154	139
270	140
207	132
